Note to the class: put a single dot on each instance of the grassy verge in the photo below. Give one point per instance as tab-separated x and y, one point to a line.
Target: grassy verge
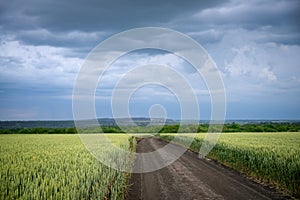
272	158
58	167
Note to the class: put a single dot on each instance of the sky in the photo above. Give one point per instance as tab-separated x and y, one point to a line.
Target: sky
255	45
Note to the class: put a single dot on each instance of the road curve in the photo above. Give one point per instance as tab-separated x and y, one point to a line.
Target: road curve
190	177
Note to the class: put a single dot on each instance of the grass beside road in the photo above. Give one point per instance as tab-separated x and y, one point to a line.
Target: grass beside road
273	158
58	167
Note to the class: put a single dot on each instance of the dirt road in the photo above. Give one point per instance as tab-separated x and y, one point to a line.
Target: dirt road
193	178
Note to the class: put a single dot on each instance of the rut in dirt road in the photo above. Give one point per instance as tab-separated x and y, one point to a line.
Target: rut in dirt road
190	177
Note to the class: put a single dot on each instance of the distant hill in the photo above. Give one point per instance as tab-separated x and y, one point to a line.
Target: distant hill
36	124
140	121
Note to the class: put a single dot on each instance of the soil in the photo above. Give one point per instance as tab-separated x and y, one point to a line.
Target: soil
191	177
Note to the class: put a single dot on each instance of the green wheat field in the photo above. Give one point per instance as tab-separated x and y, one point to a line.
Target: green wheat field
46	166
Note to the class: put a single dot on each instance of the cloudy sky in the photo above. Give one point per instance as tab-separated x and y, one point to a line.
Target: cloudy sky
255	44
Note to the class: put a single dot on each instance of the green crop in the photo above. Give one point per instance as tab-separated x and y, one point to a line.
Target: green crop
273	158
58	167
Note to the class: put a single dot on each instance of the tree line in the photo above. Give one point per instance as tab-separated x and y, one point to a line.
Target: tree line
176	128
106	129
234	127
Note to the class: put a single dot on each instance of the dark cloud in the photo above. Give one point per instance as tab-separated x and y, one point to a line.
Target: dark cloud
97	15
44	42
252	14
61	39
81	23
280	19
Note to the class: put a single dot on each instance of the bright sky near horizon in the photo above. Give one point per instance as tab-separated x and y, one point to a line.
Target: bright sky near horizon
255	44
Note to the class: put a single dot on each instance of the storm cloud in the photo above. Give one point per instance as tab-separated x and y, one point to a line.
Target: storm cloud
255	45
